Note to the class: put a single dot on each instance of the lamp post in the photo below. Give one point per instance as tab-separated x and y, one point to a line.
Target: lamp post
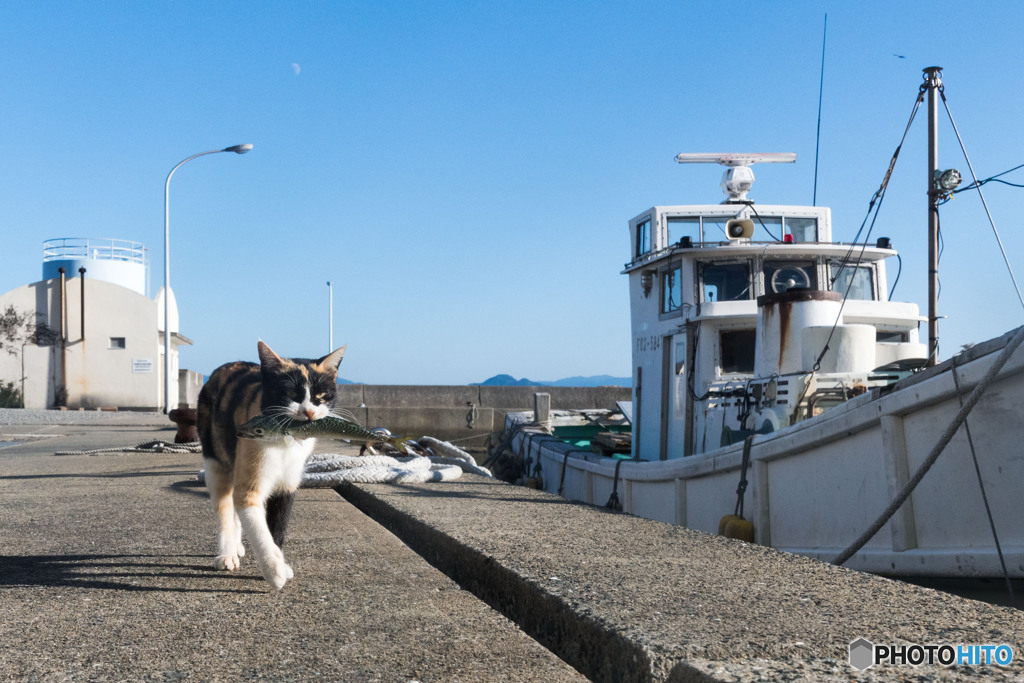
237	149
330	316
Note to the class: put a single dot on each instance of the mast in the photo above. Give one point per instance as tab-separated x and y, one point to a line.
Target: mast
933	83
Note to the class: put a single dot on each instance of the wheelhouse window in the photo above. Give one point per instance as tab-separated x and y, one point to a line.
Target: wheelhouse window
803	229
769	226
782	276
643	237
726	281
714	227
672	288
890	337
683	226
737	351
858	279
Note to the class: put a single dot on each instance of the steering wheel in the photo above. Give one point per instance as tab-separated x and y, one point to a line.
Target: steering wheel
785	279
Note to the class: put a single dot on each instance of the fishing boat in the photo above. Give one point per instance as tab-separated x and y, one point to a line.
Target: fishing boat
780	397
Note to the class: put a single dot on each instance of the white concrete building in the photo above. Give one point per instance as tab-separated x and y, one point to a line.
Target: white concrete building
109	347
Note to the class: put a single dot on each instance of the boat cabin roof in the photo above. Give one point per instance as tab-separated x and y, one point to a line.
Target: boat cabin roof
738	230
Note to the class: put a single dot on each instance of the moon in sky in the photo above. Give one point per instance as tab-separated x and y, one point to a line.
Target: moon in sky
296	68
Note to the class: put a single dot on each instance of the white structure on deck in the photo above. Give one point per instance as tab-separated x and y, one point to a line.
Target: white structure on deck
107	347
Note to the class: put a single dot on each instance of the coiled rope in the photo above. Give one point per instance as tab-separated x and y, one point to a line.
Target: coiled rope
444	462
328	470
144	447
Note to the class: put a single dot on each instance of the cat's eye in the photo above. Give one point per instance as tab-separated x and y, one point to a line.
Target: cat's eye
321	397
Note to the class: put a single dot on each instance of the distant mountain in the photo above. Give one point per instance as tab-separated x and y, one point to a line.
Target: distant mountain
592	381
510	381
505	381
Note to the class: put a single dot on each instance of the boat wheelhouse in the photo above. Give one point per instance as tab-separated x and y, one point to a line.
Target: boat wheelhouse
747	318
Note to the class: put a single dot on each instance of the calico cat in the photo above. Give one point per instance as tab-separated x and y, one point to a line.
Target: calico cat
252	483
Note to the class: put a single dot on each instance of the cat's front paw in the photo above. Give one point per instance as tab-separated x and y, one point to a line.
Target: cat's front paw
227	563
277	574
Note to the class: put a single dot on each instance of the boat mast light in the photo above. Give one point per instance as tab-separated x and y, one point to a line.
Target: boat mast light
738	177
948	180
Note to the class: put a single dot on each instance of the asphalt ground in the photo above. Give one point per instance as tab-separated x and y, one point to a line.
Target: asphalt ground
105	574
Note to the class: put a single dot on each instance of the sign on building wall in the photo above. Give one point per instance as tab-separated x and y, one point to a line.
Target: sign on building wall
142	365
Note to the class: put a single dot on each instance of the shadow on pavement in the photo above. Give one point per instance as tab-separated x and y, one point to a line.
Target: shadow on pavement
118	572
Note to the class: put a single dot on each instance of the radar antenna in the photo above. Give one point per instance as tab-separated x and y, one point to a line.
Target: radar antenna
738	177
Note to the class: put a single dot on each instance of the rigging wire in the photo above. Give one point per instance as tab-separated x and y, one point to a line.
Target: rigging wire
988	213
878	197
981	485
821	88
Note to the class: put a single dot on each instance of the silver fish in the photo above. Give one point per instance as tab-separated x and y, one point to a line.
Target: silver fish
277	426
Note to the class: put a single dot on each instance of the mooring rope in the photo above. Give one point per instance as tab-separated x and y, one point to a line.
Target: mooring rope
445	462
144	447
936	451
375	469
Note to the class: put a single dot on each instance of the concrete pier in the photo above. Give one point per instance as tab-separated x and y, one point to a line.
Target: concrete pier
467	414
105	575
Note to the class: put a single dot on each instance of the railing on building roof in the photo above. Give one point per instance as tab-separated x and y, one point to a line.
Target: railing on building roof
102	249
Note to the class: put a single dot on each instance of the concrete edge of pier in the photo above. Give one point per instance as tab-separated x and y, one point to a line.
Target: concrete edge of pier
622	598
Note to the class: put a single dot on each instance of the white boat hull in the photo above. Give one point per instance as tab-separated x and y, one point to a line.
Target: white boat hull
815	487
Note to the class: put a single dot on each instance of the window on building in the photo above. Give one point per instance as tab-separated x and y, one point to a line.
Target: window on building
117	343
726	281
737	351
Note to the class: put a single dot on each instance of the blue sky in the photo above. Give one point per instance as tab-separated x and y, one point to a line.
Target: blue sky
464	171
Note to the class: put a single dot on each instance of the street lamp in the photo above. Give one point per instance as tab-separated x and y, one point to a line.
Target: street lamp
330	316
237	149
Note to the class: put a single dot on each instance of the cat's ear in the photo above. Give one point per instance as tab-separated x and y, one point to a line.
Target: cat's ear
268	359
332	360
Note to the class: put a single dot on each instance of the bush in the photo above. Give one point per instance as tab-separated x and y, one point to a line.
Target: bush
10	396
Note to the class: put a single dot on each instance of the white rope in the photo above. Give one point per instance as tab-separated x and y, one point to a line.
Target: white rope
375	469
144	447
446	463
445	452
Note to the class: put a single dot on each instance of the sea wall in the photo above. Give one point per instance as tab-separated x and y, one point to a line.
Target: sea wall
467	414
